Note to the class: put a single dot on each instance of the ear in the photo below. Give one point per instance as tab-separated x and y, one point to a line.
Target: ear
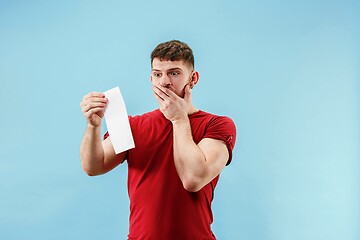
194	78
151	78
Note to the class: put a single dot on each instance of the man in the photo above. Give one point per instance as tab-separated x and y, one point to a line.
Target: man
178	156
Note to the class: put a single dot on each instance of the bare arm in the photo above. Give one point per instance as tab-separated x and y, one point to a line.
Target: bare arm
197	164
97	157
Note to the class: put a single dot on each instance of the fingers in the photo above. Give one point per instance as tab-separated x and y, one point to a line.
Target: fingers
163	93
159	93
187	96
93	103
94	94
97	110
93	97
163	105
160	100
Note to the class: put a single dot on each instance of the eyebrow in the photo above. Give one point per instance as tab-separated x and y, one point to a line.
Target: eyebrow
171	69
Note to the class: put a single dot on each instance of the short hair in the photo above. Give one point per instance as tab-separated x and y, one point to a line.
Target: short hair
173	50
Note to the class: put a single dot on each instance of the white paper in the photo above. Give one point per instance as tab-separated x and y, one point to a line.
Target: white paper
117	121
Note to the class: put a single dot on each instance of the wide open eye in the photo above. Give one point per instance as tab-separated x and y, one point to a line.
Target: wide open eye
174	73
157	74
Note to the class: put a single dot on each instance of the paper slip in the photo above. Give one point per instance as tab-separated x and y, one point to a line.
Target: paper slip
117	121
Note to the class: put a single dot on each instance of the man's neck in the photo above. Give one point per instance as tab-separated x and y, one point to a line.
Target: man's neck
193	110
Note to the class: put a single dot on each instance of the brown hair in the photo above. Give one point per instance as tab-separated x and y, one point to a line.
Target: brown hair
173	50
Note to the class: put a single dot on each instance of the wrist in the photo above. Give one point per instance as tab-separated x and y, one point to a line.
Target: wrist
92	127
181	121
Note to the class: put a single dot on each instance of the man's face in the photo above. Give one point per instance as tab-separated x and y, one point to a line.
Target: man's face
174	75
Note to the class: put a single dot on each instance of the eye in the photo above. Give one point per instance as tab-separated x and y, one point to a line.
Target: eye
157	74
174	73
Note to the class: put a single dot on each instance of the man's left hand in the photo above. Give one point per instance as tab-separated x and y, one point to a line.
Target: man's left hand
171	105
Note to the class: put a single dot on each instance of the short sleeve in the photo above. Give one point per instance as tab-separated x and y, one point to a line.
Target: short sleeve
106	135
222	128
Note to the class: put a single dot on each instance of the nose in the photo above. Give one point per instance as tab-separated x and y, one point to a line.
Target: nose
165	81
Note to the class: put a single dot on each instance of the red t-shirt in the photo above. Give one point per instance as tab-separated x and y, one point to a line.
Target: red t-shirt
160	207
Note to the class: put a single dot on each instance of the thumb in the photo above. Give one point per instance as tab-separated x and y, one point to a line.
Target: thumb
187	96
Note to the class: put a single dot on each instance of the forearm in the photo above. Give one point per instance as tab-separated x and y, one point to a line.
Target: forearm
91	151
190	162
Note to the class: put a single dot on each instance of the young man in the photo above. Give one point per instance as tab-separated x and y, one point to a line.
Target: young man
178	156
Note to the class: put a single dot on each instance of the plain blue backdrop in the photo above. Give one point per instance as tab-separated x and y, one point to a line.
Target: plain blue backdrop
286	72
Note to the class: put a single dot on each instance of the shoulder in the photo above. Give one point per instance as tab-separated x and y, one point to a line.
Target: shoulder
219	127
153	115
215	120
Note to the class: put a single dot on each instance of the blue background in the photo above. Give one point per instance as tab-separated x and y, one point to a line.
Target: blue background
286	72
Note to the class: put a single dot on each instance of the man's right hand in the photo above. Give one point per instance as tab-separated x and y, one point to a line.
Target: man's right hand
93	107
